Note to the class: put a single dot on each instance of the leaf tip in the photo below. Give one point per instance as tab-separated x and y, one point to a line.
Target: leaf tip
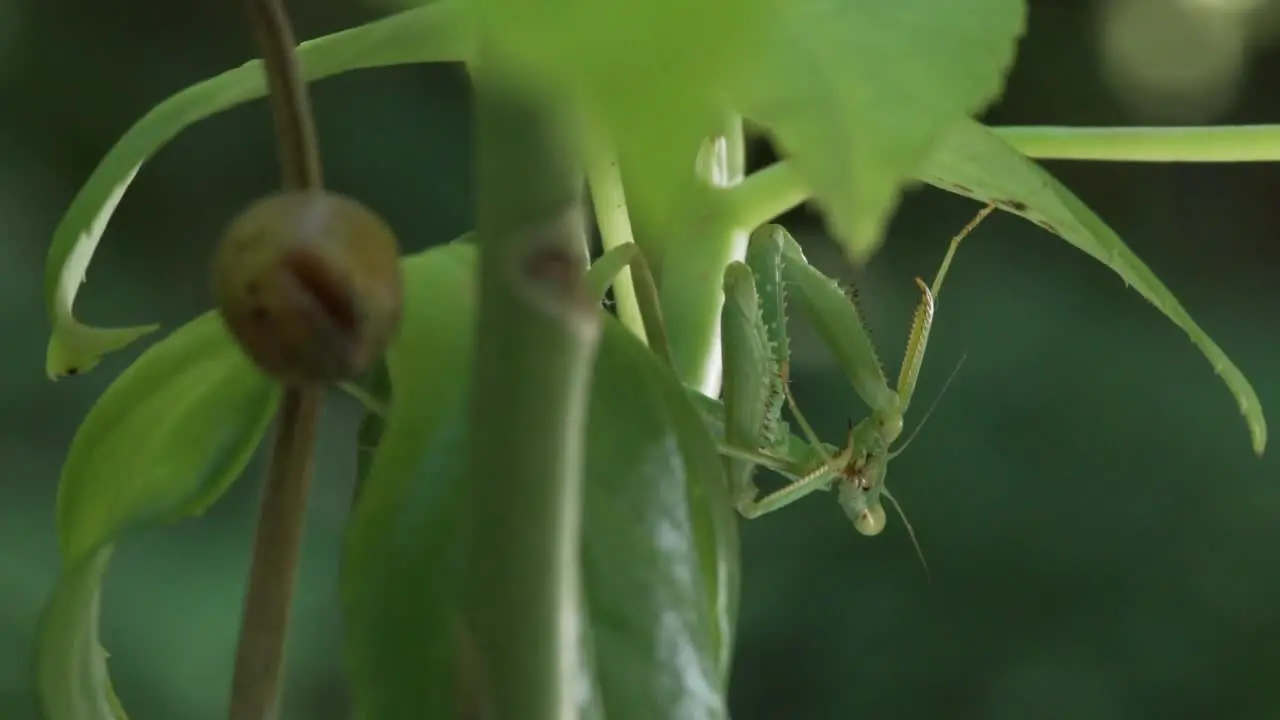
75	348
864	234
1258	433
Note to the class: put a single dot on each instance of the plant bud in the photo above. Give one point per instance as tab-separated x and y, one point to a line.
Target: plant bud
308	282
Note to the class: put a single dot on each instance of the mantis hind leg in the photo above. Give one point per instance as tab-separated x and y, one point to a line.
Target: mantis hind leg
784	371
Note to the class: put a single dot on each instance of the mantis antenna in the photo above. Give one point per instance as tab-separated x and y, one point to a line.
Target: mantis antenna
925	418
911	532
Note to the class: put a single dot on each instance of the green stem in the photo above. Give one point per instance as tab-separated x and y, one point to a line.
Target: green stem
692	292
610	204
763	196
778	188
608	267
536	339
1222	144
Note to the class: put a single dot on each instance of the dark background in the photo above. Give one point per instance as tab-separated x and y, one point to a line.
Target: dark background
1100	534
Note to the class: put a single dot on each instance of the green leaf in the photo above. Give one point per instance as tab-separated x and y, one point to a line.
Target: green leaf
586	43
400	562
163	442
165	439
660	549
375	389
857	92
663	616
973	161
648	74
71	668
436	32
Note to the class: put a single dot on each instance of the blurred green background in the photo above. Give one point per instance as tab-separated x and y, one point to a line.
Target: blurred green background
1099	531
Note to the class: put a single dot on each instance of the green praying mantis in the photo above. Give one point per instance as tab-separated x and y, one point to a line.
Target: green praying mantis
755	348
756	352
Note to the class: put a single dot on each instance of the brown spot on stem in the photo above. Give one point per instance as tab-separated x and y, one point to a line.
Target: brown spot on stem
554	266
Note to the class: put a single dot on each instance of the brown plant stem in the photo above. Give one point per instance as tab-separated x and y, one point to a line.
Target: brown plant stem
290	103
264	627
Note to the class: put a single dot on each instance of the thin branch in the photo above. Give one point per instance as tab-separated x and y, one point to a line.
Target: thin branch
268	601
290	103
610	203
265	623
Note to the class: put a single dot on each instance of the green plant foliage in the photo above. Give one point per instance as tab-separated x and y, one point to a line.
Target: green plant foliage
863	95
660	550
713	59
163	442
857	92
652	74
71	667
593	44
400	562
973	161
434	33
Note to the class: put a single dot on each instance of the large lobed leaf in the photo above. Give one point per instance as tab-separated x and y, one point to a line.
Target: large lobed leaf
659	545
651	74
164	441
973	161
858	92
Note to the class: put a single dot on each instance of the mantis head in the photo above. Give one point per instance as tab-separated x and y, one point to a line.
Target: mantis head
862	480
860	495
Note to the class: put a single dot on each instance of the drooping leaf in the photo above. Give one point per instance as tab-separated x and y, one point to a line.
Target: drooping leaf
436	32
973	161
164	441
857	92
165	438
71	667
660	553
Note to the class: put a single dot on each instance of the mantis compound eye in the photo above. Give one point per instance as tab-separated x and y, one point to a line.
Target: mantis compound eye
890	427
308	283
870	520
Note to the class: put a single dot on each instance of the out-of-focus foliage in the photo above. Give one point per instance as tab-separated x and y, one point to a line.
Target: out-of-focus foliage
164	442
1097	525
